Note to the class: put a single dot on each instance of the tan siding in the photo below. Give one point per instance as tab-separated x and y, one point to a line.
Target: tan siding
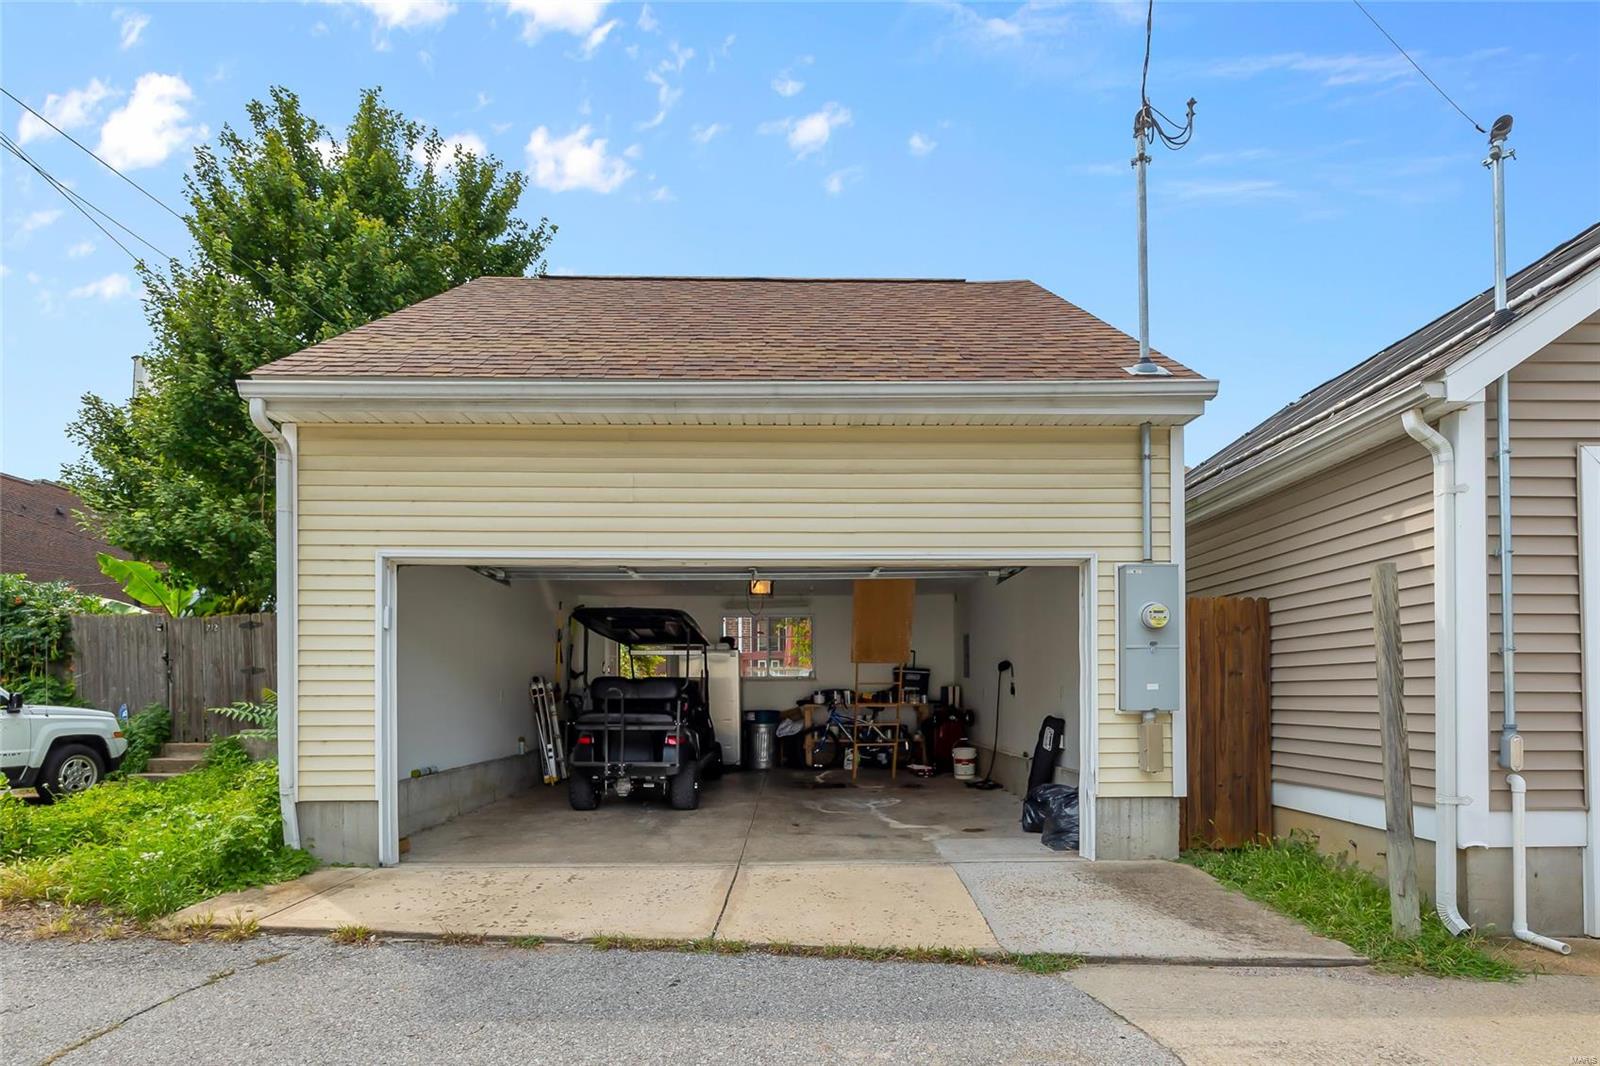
894	491
1309	550
1555	407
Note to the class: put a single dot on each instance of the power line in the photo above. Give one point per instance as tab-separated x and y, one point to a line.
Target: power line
1418	67
1150	123
153	198
82	207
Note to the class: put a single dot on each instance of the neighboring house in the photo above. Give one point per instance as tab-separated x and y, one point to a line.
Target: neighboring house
40	536
1300	508
552	431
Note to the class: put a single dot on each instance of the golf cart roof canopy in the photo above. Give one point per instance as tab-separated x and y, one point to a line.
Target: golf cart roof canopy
642	626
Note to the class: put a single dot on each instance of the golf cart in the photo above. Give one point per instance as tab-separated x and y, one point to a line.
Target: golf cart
636	732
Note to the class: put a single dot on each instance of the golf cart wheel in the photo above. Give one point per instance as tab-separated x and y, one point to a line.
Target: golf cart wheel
581	793
714	764
683	788
70	768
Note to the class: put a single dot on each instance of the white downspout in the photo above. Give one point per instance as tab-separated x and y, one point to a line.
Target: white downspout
1519	870
1446	771
288	675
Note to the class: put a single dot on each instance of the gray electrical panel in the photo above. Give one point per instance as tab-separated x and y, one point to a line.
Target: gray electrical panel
1149	641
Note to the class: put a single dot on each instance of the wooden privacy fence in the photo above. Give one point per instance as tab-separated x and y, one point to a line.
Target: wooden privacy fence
187	664
1229	707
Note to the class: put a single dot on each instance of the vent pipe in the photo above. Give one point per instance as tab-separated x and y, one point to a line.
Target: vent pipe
1510	756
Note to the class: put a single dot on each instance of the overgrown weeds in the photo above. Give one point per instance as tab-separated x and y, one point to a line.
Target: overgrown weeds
1340	900
144	849
353	934
1040	963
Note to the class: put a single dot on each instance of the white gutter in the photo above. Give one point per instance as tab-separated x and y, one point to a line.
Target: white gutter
288	674
1527	294
1446	771
1519	870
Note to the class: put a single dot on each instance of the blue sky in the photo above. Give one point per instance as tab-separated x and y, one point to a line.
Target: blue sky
1330	201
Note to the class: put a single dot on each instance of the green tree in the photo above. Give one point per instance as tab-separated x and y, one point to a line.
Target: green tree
296	237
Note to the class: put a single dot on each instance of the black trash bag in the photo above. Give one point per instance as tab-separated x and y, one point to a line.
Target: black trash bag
1052	810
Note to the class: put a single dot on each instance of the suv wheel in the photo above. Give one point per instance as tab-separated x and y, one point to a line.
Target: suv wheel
683	788
581	793
70	768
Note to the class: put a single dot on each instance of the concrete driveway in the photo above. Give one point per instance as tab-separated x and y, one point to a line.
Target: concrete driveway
787	857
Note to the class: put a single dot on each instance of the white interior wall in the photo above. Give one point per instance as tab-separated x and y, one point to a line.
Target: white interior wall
1031	619
466	649
932	636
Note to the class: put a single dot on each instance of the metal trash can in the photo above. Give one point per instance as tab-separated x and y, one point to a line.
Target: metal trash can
760	748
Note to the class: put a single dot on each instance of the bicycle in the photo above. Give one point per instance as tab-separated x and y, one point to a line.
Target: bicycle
839	733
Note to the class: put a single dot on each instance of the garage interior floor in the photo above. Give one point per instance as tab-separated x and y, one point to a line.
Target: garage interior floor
791	857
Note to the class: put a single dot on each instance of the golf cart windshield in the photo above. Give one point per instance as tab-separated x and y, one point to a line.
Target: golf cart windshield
642	627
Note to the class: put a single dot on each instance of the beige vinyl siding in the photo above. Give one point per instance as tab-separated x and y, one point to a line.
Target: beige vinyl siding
728	491
1555	407
1309	550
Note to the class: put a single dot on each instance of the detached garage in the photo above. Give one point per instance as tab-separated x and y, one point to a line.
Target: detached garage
454	479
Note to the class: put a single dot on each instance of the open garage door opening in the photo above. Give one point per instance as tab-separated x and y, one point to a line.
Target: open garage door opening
806	740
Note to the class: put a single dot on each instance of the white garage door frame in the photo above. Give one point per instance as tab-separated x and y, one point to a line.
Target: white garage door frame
387	592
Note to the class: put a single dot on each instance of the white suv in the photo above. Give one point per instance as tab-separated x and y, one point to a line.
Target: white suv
57	750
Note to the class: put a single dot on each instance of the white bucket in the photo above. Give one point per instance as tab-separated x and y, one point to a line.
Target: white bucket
966	760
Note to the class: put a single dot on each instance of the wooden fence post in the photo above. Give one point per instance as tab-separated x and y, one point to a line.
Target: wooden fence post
1405	907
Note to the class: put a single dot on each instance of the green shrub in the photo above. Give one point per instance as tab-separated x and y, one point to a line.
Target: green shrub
36	636
261	717
146	732
144	849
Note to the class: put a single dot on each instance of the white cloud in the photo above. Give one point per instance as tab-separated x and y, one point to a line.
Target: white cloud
81	249
408	14
575	161
784	85
133	24
539	17
597	37
151	125
70	110
662	195
484	100
1240	191
834	183
666	96
810	133
921	144
465	139
1031	20
647	20
35	221
327	149
633	151
705	134
679	59
1333	70
110	287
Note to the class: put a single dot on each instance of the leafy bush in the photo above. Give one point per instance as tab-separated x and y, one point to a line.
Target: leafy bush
1336	899
146	732
36	636
262	717
144	849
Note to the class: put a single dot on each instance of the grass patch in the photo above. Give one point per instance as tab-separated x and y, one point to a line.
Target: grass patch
527	942
1040	963
461	939
142	849
353	934
1339	900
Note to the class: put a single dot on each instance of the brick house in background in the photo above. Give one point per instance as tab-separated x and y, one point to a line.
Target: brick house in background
40	536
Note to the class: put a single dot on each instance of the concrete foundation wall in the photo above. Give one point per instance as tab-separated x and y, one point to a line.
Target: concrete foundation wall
1483	880
341	831
1136	827
429	800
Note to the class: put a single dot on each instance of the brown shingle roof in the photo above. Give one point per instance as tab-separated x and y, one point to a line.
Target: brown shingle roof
40	537
729	329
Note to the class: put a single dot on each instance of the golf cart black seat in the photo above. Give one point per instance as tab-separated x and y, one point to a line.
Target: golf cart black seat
636	701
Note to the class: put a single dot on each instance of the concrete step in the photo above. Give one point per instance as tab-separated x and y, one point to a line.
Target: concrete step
169	764
157	777
184	747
